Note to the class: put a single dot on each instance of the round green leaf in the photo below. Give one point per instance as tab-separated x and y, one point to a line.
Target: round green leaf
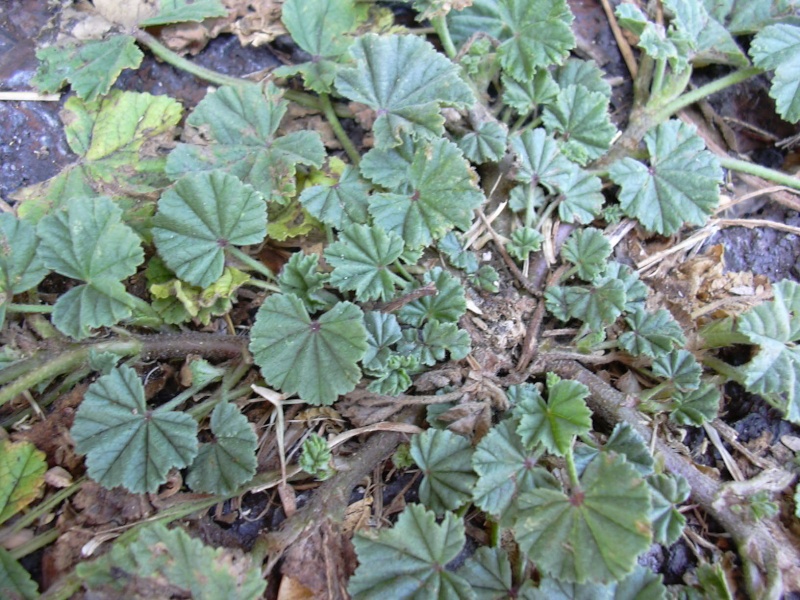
315	358
445	459
199	217
20	266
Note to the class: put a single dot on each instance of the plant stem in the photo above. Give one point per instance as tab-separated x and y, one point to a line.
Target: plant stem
743	166
29	308
183	396
249	261
46	505
571	468
440	25
338	130
665	112
32	545
658	76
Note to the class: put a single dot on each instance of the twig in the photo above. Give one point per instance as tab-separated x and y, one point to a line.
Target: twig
28	97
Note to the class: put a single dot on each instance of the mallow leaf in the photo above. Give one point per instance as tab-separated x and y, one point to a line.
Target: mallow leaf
486	144
124	441
242	123
445	459
681	185
652	334
21	268
91	67
457	256
593	534
778	47
695	407
181	11
597	305
532	34
446	305
87	240
227	462
432	342
587	249
315	457
554	423
525	96
406	81
437	193
680	367
524	240
199	217
539	158
301	276
361	258
582	72
408	560
343	203
488	572
641	584
22	469
667	491
15	581
315	358
382	332
625	441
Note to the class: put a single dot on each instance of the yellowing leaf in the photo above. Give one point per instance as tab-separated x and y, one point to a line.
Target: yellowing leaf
22	469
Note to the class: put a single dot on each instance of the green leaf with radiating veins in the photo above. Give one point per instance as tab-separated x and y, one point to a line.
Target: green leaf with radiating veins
641	584
315	457
524	240
180	11
361	258
315	358
457	256
651	334
540	160
199	217
680	367
438	193
694	407
555	422
580	198
91	67
446	305
406	81
778	47
625	441
390	167
229	461
22	469
382	331
301	276
15	581
432	342
582	72
667	491
505	469
588	250
446	463
595	533
21	268
525	96
408	560
124	441
597	305
488	572
681	185
581	119
533	34
341	204
242	123
486	144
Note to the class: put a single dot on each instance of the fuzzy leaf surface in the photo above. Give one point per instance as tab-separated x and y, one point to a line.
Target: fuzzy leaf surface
242	124
407	561
315	358
580	117
22	469
778	47
223	465
446	462
360	259
180	11
315	457
15	581
488	571
533	33
437	194
695	407
553	423
595	534
680	185
406	81
126	443
486	144
91	68
199	217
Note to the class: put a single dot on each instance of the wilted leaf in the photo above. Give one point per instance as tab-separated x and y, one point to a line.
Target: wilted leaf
680	185
446	462
595	533
15	581
667	491
126	443
229	461
22	469
581	118
406	81
408	560
199	217
315	358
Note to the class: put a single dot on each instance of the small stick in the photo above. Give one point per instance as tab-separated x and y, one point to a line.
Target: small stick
624	46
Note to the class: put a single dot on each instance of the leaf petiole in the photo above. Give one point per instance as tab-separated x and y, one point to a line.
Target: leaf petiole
250	262
440	25
338	130
29	308
743	166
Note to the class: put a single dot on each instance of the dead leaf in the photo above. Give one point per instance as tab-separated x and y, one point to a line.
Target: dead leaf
291	589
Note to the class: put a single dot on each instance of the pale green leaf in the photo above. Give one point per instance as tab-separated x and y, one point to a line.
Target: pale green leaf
488	572
746	16
102	303
709	39
406	82
437	193
666	492
525	199
446	463
533	33
22	469
199	217
20	266
457	256
540	160
625	441
341	204
15	581
242	123
506	468
680	367
315	457
390	167
486	144
229	461
651	334
582	72
712	578
588	249
168	559
524	96
300	276
408	560
315	358
91	67
432	342
635	289
641	584
382	332
595	533
487	279
126	443
597	306
395	378
361	258
580	198
631	17
778	47
695	407
446	305
524	240
681	185
581	119
554	423
179	11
